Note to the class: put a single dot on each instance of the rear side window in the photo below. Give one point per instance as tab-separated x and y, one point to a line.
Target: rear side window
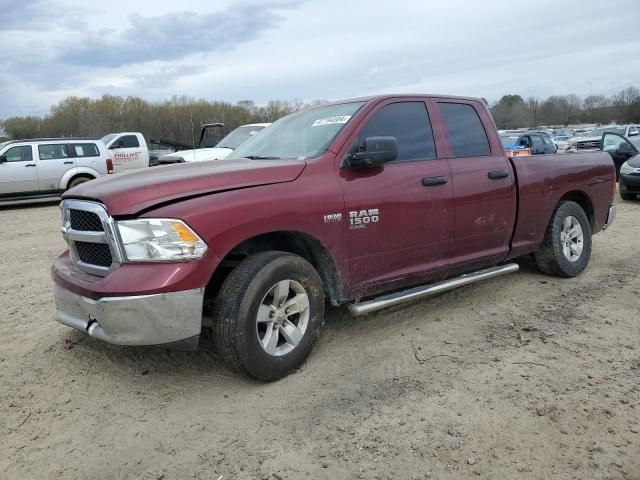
85	150
52	152
536	140
409	123
19	154
466	133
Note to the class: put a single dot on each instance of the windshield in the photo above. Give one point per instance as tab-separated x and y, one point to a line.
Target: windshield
299	135
509	140
107	138
239	136
599	131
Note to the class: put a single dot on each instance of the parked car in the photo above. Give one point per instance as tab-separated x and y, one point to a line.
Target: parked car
368	203
49	166
562	142
592	139
128	150
222	150
627	161
538	142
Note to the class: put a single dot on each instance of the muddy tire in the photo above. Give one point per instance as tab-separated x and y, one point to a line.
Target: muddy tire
268	315
77	181
566	248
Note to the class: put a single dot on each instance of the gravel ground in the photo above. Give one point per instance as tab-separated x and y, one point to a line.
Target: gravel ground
525	376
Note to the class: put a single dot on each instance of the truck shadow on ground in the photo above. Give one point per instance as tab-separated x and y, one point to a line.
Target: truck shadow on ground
203	364
35	203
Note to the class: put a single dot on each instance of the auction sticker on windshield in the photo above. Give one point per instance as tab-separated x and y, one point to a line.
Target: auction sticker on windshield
331	120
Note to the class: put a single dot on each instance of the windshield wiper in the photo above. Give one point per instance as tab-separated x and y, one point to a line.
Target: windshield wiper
261	157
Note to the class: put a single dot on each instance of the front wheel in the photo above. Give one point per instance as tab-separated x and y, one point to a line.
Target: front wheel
628	196
566	248
268	315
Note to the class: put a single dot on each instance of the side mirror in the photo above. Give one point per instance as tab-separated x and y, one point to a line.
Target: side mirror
624	148
634	134
116	144
3	159
377	151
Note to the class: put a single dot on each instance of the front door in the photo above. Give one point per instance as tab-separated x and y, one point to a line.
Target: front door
18	174
483	184
398	216
126	153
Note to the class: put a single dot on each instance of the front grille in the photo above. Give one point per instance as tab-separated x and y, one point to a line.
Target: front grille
85	221
94	253
588	145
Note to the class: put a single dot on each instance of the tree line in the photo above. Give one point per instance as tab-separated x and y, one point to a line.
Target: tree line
513	111
180	117
176	119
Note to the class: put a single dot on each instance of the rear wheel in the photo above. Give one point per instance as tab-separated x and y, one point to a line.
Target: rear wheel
77	181
268	315
566	248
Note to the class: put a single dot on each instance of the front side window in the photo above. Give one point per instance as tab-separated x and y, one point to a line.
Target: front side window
129	141
467	136
299	135
52	152
409	123
85	150
19	154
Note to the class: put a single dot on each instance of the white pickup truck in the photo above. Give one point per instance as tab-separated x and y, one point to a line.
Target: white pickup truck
222	149
128	150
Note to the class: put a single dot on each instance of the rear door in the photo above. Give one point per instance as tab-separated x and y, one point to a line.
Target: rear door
19	173
127	153
54	159
399	216
483	184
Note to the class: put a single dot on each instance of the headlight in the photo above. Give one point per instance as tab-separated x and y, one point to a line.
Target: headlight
148	240
628	169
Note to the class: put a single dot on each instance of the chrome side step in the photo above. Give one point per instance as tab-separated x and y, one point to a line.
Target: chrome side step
423	291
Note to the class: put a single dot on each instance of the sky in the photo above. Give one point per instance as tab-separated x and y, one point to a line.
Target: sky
312	49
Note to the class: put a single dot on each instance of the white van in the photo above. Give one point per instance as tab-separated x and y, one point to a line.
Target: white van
128	150
49	166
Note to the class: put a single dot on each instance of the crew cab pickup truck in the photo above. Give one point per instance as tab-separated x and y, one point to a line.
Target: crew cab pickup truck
366	203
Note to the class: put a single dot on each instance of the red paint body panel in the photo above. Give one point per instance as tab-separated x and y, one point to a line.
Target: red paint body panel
423	234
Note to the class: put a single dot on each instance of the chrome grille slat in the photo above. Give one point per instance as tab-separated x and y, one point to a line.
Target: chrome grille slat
90	234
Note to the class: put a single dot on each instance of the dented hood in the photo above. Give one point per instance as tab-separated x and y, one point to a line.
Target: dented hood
130	193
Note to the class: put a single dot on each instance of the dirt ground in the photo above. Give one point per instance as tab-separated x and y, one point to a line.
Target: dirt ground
525	376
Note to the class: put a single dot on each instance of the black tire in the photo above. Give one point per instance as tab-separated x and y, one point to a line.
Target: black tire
235	330
628	196
550	257
77	181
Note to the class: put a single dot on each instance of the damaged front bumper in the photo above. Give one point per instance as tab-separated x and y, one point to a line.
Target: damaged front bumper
159	319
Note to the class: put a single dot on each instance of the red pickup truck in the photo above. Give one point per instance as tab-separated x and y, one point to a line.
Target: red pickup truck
367	202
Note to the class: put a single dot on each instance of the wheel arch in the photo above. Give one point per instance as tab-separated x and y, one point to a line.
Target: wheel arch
298	243
582	199
75	173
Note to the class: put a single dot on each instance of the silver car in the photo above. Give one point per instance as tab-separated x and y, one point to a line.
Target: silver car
43	167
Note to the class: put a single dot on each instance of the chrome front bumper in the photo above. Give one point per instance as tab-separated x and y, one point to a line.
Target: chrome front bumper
611	216
141	320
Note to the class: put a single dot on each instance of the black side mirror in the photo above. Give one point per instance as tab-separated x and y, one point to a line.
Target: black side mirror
3	159
624	148
115	145
377	151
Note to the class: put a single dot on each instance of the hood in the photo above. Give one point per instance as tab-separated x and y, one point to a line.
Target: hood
634	161
130	193
202	154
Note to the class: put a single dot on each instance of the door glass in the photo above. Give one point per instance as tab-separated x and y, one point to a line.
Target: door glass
467	136
52	152
19	154
409	123
130	141
612	142
536	140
